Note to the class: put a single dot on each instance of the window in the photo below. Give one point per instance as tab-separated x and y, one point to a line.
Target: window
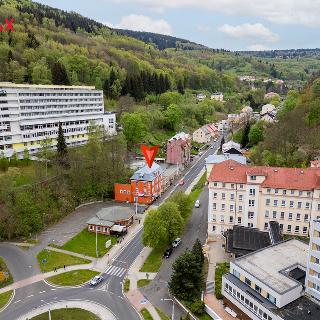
289	228
290	216
274	214
250	225
223	185
240	208
297	229
307	205
214	217
308	193
305	230
240	197
265	225
300	193
276	191
267	214
250	215
282	215
292	192
268	190
236	273
215	184
91	227
306	217
231	196
299	205
239	220
213	228
275	203
231	219
252	192
215	195
223	196
271	298
214	206
257	288
298	216
231	207
253	178
251	203
241	186
223	206
98	228
247	281
267	202
318	206
222	218
283	203
281	227
232	185
284	191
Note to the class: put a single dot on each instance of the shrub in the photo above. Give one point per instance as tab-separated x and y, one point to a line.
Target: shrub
197	307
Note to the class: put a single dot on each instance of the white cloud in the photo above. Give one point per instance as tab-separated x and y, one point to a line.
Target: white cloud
142	23
249	31
257	47
294	12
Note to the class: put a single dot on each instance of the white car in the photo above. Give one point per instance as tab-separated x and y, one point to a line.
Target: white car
176	242
96	280
197	204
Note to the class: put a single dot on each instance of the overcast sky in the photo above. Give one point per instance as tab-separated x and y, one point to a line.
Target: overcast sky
228	24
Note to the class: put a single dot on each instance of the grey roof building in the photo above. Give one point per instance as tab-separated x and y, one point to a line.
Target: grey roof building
147	174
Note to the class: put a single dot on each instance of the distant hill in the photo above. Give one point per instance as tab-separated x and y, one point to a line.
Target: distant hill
284	54
162	41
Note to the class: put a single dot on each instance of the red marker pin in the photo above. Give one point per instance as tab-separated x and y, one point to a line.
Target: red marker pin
149	153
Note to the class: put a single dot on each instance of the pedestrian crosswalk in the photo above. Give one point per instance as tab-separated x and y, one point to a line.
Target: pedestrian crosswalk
210	287
115	271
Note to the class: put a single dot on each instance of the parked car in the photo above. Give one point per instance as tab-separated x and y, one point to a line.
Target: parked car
176	242
211	147
200	153
96	280
168	252
181	182
197	204
215	140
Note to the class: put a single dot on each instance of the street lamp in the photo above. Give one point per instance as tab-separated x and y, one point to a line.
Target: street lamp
97	239
172	314
49	309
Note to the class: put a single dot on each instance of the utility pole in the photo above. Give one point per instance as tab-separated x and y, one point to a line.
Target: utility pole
172	314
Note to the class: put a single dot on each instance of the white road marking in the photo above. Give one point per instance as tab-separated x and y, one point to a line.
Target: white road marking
31	295
17	301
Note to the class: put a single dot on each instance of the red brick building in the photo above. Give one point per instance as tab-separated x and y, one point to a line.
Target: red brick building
178	149
146	185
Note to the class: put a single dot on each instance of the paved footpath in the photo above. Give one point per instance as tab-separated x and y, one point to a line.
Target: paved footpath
101	311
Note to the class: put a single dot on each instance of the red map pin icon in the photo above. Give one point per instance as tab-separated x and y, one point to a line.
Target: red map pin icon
149	153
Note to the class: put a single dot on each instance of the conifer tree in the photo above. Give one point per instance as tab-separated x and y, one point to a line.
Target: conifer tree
61	143
59	74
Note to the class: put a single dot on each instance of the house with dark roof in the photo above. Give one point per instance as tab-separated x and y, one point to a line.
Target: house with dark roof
146	185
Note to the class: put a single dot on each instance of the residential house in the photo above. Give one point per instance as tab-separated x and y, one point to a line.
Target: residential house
231	147
146	185
253	195
179	149
268	284
213	159
202	135
269	117
107	218
213	130
268	108
218	96
315	163
223	126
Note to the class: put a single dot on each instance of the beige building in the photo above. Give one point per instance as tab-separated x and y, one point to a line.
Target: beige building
202	135
252	196
313	271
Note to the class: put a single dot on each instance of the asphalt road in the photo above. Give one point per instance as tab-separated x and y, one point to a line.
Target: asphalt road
108	293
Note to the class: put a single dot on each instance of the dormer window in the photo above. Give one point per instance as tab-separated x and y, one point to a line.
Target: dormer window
253	178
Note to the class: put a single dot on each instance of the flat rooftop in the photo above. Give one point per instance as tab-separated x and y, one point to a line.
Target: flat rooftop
42	86
300	309
269	265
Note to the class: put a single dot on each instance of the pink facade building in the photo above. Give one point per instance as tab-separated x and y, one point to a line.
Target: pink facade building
178	149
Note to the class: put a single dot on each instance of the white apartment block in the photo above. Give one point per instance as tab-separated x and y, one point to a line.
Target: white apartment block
252	196
269	284
313	271
31	113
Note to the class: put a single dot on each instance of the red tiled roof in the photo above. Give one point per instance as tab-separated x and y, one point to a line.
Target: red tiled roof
282	178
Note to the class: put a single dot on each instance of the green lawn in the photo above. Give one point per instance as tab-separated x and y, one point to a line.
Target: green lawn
4	298
143	282
8	277
126	285
146	314
57	260
154	261
204	316
162	315
67	314
73	278
85	243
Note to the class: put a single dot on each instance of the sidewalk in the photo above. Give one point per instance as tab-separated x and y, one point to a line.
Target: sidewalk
70	253
43	276
102	312
136	298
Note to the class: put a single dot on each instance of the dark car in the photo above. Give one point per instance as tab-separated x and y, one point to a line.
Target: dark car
168	252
